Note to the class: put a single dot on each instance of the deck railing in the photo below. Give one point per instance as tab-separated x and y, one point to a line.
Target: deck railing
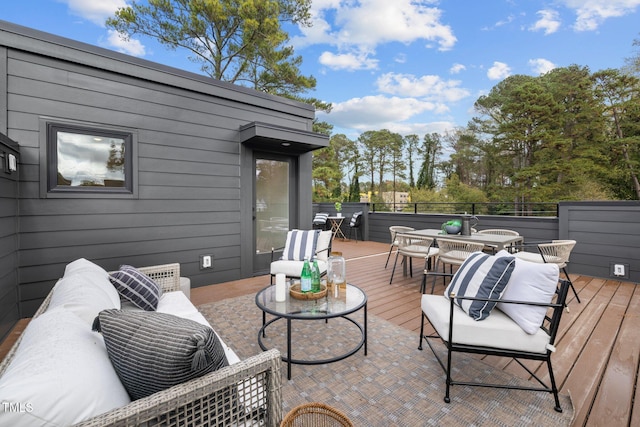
491	208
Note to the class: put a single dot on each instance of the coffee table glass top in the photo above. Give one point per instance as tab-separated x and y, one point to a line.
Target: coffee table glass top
347	301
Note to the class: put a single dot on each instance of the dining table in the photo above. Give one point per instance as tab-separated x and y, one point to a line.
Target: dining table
495	240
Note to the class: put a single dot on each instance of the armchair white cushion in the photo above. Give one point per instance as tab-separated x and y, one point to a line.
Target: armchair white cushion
292	268
498	330
533	282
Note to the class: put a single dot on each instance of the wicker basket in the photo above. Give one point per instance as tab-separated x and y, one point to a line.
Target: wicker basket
315	415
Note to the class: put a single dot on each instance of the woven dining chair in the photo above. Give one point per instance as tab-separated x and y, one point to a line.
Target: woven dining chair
556	252
499	232
452	252
315	415
411	246
394	230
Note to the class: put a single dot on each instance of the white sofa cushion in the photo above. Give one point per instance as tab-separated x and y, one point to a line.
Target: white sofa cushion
61	374
497	330
85	290
533	282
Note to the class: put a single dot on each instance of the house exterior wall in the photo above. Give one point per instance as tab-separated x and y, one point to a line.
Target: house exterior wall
606	233
9	298
188	197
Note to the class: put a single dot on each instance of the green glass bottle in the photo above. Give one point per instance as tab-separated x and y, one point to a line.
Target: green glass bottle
315	277
305	277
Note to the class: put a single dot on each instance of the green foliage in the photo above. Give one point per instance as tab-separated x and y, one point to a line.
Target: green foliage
239	41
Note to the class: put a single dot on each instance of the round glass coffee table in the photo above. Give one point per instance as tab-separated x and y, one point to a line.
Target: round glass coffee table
348	301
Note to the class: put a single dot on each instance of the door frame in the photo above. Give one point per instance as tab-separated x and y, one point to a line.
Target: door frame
300	194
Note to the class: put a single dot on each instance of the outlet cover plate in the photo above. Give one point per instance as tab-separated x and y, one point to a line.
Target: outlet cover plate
612	270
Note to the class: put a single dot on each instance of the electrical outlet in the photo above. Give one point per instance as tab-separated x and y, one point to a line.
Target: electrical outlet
619	270
206	261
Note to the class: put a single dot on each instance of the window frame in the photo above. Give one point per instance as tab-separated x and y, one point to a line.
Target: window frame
49	161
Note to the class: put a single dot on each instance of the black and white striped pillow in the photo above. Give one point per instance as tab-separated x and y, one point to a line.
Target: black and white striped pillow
136	287
153	351
482	276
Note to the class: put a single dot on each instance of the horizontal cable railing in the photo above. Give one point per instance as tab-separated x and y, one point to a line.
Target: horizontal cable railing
490	208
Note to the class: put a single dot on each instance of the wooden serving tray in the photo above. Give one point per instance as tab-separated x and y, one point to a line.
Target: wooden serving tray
296	293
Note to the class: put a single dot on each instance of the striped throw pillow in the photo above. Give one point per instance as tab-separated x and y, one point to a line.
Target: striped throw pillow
482	276
136	287
300	244
153	351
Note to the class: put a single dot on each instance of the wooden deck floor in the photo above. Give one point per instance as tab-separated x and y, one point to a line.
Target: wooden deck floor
598	346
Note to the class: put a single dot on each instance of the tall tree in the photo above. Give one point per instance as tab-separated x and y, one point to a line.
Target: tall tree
430	150
412	143
620	95
239	41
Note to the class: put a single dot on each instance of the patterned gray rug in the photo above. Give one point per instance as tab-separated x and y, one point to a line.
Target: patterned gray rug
394	385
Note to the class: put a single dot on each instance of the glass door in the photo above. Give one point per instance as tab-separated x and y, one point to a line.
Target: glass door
272	207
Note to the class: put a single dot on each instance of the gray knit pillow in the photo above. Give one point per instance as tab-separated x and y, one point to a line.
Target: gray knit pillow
153	351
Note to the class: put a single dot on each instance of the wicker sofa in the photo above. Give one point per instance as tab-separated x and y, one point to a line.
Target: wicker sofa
245	393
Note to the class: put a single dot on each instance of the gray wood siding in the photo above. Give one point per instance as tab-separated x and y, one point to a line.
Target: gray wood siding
605	232
9	297
188	180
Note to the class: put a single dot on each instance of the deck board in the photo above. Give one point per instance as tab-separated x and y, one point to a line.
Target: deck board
598	341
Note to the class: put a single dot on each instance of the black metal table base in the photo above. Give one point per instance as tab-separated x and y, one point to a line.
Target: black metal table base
290	360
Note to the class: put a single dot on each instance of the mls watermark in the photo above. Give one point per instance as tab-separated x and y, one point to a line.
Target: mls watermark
23	408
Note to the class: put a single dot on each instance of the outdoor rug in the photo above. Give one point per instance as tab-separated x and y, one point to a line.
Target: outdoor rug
394	385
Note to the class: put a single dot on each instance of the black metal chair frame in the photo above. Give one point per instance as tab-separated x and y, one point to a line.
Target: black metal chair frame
550	326
273	258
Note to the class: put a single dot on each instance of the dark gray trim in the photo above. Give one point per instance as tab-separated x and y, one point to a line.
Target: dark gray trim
50	45
281	139
44	162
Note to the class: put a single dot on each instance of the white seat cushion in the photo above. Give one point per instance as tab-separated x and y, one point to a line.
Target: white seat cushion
497	330
293	268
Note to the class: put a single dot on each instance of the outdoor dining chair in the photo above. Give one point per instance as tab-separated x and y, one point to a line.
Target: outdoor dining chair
500	232
394	230
556	252
452	252
355	224
409	247
320	220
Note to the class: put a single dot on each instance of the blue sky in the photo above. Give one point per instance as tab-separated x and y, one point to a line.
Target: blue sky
409	66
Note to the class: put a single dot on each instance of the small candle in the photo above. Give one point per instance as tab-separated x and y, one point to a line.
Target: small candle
281	288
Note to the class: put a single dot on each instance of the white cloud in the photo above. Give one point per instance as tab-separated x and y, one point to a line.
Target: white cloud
541	65
592	13
348	61
130	47
499	71
361	26
429	87
96	11
457	68
375	112
549	21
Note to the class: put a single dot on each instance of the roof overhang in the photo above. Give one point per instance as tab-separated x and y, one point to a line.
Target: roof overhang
268	137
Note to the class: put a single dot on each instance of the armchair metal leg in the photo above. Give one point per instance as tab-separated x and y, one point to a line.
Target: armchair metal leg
571	284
